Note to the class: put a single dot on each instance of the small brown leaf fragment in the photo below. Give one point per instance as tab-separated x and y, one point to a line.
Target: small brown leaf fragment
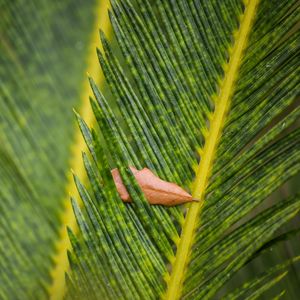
120	185
156	190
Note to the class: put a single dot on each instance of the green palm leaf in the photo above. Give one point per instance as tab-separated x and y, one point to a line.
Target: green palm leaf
41	42
204	93
175	85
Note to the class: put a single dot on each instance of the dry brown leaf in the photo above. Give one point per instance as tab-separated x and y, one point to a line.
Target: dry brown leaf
156	190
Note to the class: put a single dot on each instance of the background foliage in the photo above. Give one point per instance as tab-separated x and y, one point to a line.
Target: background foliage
43	60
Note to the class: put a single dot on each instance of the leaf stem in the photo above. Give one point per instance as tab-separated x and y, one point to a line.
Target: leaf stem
203	173
57	289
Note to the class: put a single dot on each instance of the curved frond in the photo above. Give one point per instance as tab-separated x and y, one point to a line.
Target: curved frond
43	57
206	98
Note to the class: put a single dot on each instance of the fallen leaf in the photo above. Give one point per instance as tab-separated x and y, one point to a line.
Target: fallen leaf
156	190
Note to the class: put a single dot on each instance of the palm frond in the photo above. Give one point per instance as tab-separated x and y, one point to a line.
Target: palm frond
216	79
203	93
43	49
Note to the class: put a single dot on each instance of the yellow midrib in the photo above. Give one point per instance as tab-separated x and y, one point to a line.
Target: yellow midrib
176	278
61	265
